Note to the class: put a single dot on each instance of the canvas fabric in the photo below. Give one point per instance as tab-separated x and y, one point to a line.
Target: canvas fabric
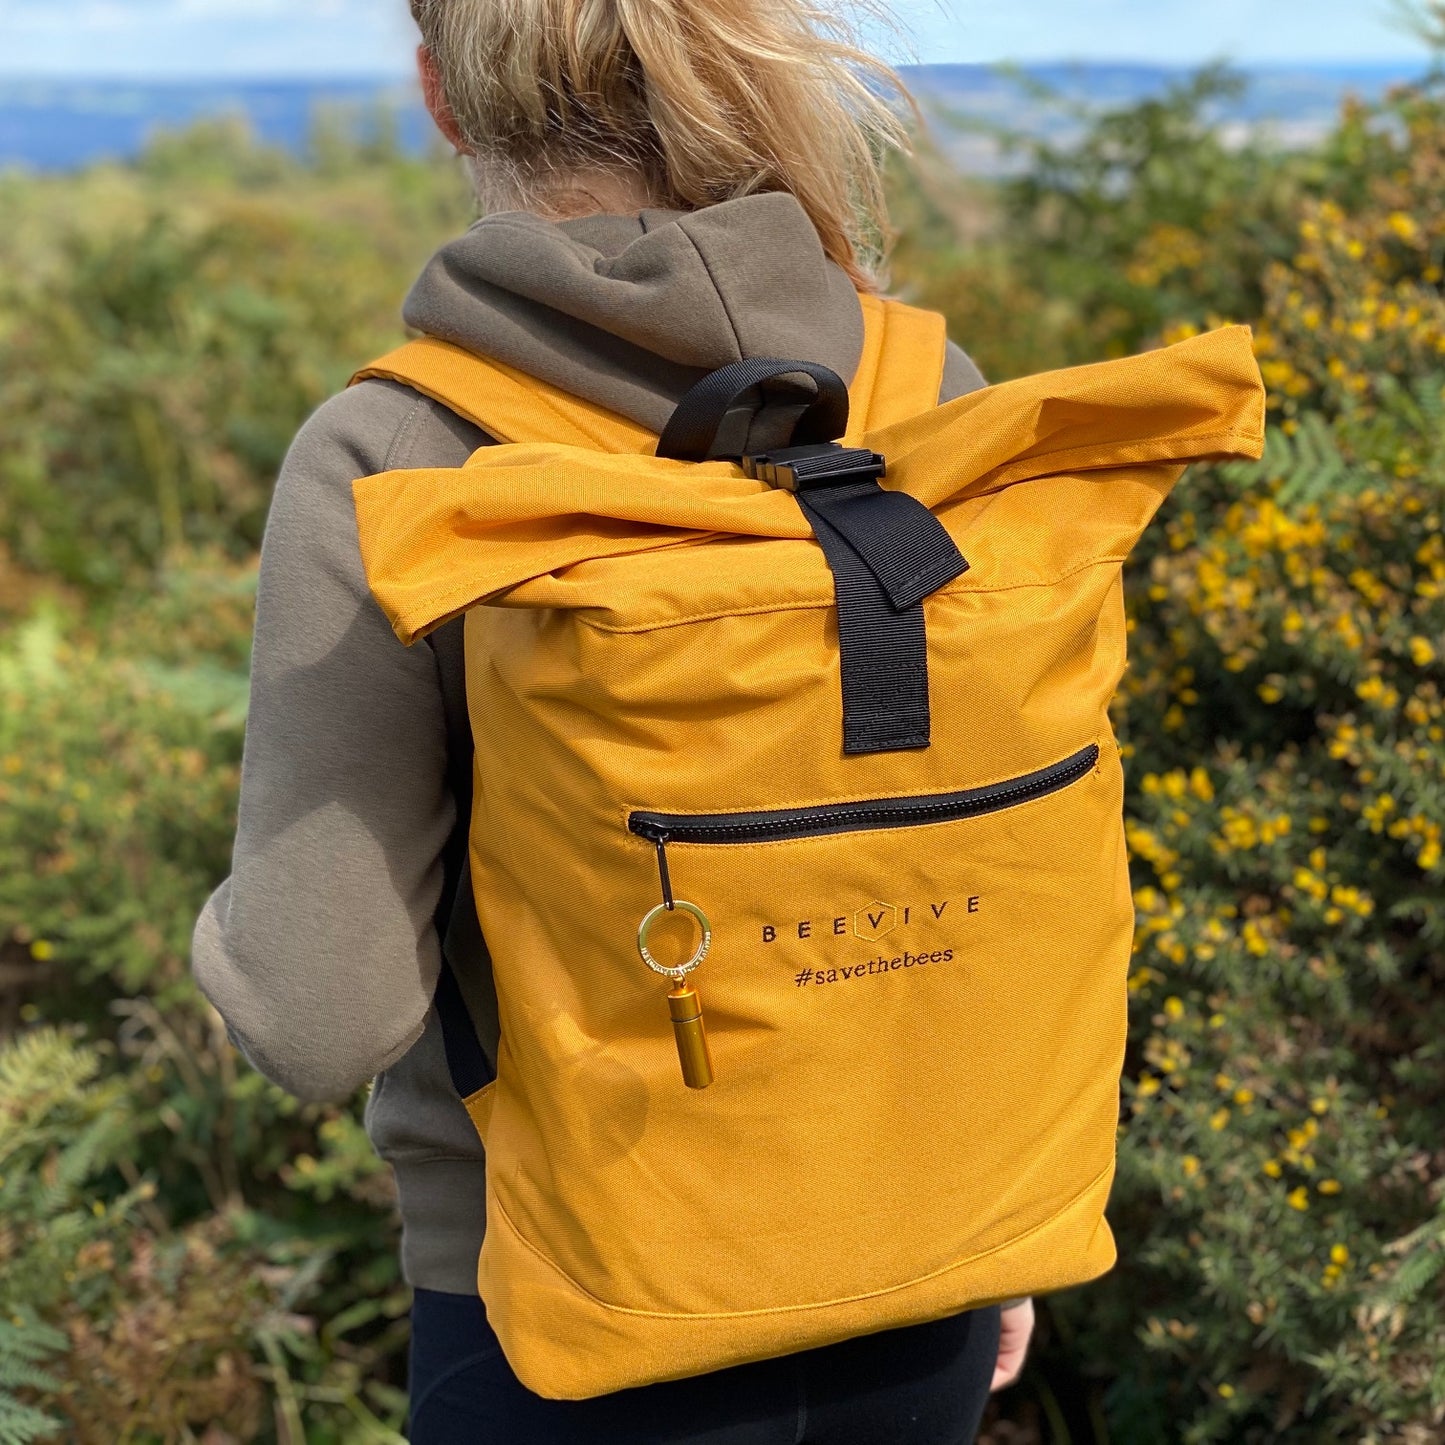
917	1030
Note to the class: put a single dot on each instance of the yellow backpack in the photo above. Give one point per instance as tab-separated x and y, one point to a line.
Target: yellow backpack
876	776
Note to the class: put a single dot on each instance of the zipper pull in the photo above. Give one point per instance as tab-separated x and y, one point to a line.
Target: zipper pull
662	872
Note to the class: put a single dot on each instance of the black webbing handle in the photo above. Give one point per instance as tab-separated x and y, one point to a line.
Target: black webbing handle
691	433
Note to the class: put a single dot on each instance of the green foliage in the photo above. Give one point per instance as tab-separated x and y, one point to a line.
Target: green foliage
117	780
1153	219
165	344
1426	18
107	1326
179	1207
1150	218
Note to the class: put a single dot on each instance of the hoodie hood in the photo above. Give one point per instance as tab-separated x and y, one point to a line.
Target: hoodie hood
630	311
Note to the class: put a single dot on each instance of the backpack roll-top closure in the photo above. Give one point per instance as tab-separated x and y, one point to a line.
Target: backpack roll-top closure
519	520
437	543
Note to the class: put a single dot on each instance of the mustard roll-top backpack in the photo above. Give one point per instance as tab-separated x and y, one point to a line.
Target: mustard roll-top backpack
796	837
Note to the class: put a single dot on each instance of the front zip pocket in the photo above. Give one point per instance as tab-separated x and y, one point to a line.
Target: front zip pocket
780	824
783	825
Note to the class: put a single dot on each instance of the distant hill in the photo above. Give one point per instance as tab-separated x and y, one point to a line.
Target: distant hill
58	125
1296	105
1279	92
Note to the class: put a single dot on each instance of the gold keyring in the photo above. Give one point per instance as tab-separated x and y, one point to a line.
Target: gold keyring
683	969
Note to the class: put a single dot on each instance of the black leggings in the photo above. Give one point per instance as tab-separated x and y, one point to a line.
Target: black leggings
924	1385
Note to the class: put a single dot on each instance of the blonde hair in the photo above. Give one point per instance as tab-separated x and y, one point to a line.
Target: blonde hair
706	100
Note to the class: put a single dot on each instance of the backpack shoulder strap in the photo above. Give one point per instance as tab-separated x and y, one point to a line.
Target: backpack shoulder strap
507	404
901	370
899	375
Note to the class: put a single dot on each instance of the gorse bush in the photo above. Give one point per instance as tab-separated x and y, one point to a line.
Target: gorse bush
1150	222
1282	1195
1356	318
1281	1191
1280	1205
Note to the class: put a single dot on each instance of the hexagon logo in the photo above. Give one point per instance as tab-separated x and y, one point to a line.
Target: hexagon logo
874	922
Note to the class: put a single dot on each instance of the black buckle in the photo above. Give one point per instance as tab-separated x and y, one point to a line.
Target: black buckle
824	464
887	552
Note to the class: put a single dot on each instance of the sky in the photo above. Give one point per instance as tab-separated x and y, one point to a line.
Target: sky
157	39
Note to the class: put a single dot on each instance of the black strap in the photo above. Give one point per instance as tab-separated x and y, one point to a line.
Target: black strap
883	651
903	544
887	552
691	434
455	919
467	1061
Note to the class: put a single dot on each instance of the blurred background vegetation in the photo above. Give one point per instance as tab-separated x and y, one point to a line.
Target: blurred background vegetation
188	1255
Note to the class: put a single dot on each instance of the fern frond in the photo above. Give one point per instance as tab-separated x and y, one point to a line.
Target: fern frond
1416	1272
25	1343
25	1425
37	1067
23	1337
1308	467
1319	468
15	1375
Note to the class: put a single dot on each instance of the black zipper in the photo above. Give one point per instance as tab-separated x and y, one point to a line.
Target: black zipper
865	816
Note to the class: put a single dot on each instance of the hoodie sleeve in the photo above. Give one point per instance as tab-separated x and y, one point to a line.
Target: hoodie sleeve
320	951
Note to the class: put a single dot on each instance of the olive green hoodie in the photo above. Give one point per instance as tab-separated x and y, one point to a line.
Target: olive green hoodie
322	949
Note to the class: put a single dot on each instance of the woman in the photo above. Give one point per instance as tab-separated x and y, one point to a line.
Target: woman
668	185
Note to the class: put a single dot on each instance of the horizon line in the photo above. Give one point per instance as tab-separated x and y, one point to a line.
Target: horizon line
1421	63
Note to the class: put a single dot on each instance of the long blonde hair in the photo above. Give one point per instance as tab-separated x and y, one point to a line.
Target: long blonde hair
706	100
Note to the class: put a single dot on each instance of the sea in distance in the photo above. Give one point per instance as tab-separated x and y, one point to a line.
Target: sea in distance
50	125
